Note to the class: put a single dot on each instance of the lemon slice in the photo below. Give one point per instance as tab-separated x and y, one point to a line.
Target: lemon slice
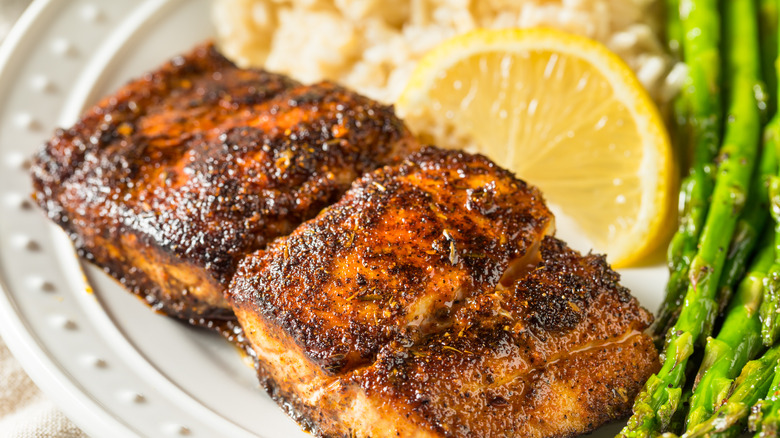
562	112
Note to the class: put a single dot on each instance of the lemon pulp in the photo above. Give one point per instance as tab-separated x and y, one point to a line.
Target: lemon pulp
563	113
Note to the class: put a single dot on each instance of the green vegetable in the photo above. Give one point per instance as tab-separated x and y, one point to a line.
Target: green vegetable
674	28
765	415
701	102
768	27
660	398
750	224
771	305
753	382
738	341
770	322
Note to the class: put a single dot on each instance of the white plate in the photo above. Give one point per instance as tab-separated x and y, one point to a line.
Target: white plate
113	366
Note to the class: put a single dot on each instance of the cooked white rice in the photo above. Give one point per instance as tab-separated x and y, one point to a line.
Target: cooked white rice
372	45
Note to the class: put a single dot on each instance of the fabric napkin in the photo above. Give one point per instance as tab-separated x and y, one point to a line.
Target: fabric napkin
25	412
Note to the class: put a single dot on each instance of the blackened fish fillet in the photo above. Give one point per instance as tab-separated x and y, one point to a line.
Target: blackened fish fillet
170	181
431	302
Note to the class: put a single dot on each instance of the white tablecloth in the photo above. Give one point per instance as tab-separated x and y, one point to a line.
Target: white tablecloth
25	412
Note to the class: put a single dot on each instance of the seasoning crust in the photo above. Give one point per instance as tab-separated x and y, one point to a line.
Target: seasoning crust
170	181
431	301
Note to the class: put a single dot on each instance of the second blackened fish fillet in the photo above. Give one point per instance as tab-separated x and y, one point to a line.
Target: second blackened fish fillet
170	181
431	302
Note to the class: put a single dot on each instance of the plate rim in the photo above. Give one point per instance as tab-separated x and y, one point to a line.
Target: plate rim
49	376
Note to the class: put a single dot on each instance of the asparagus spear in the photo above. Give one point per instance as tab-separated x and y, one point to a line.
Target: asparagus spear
755	212
738	341
678	117
701	94
770	323
738	153
768	23
659	399
765	415
771	305
753	382
750	224
677	423
674	28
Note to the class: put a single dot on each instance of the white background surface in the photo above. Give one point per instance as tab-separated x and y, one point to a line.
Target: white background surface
112	365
